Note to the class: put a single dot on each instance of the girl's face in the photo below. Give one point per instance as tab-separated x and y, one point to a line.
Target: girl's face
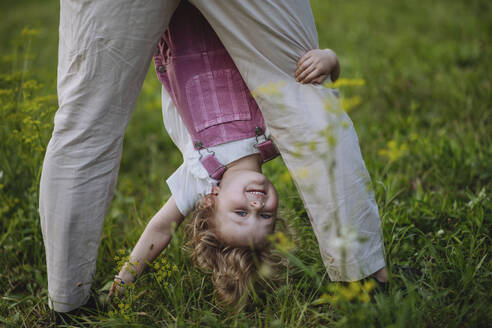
245	208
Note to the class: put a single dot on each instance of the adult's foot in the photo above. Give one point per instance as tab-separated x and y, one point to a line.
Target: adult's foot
91	307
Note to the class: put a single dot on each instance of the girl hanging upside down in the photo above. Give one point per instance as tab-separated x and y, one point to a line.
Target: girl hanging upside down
215	122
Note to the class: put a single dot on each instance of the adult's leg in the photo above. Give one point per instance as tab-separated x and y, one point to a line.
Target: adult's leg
266	39
105	48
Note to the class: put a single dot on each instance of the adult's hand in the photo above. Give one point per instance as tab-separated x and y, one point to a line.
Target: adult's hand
317	65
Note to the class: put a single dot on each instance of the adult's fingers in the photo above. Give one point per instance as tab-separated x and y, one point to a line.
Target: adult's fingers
305	73
306	56
320	79
304	66
312	75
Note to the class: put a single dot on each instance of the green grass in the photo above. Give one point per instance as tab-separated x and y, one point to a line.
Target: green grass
428	91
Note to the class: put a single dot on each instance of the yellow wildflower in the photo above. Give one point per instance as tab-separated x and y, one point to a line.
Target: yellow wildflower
350	103
303	173
268	89
368	286
394	151
281	242
364	298
29	32
347	83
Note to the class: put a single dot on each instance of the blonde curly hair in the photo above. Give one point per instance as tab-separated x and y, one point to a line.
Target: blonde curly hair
233	269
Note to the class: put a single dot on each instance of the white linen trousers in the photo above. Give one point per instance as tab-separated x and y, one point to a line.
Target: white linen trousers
105	48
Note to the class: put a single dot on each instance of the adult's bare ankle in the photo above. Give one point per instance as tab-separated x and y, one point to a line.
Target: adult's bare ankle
381	275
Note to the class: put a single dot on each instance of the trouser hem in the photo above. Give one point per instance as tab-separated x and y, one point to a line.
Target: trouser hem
67	303
358	270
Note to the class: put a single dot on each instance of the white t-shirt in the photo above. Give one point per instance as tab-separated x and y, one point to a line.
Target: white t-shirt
191	180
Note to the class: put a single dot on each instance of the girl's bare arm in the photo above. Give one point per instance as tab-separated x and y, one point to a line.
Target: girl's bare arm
151	243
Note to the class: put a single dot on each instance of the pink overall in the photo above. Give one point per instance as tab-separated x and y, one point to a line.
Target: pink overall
207	88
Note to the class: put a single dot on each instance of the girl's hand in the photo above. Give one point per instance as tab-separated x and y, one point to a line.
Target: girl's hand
316	65
117	288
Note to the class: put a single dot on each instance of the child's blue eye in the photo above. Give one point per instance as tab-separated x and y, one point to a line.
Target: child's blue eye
265	215
241	213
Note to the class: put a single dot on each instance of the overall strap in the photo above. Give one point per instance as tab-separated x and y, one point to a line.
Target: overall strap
216	170
266	148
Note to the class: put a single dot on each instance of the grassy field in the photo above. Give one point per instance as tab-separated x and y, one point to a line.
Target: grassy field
424	120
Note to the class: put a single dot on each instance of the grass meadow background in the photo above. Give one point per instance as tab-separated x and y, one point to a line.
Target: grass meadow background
424	120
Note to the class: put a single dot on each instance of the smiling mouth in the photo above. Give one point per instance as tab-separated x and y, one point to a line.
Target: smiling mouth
256	195
257	192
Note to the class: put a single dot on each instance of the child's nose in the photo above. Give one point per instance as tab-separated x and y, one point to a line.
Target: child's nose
257	204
